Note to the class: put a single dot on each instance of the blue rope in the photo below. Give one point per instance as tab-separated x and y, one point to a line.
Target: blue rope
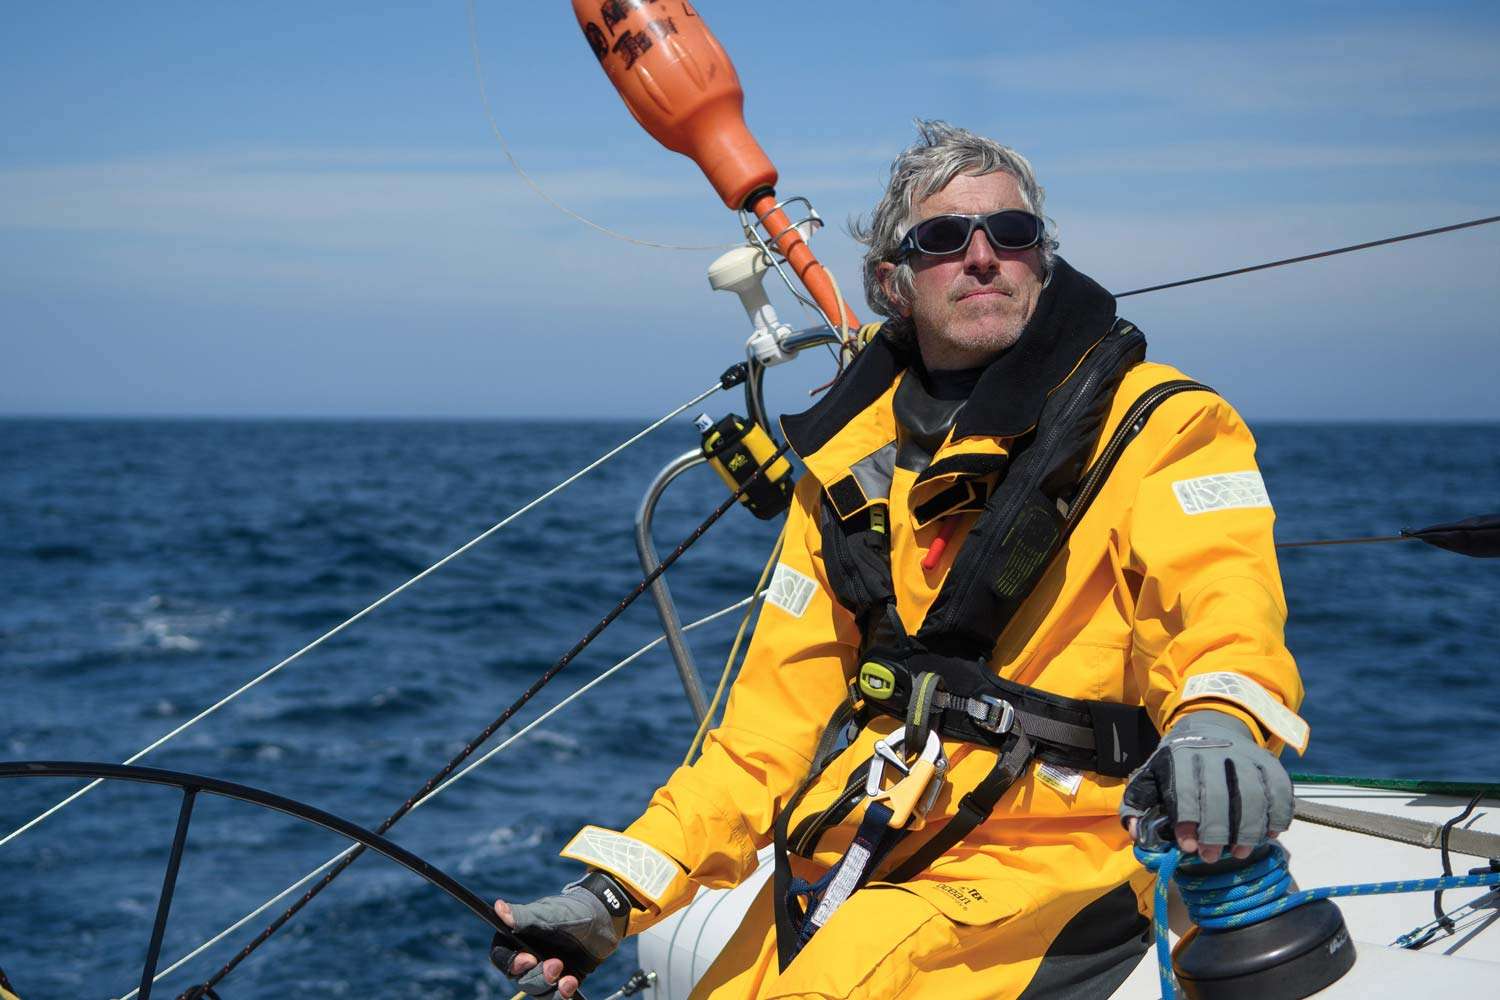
1257	892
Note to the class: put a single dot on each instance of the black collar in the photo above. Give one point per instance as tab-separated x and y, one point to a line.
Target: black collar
1072	314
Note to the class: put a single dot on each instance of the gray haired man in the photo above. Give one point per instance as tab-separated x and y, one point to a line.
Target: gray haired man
1028	552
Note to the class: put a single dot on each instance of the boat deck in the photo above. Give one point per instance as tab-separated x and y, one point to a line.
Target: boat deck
680	948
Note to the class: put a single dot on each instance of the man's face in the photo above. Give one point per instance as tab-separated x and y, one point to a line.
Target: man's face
969	306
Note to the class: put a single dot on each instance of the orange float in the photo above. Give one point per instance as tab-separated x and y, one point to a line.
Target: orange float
678	82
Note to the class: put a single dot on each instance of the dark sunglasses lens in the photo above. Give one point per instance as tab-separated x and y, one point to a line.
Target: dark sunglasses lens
1013	230
944	234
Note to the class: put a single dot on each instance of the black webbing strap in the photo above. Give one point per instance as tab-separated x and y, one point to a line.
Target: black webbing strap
828	743
788	935
857	555
973	809
1109	738
919	712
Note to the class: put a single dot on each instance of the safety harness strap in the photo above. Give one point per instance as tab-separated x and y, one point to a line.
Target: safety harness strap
986	714
973	809
857	555
788	932
872	842
919	708
974	705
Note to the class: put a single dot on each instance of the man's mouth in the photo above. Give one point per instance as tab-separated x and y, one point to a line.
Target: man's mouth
977	292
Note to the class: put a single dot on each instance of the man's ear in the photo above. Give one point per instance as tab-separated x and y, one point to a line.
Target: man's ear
885	273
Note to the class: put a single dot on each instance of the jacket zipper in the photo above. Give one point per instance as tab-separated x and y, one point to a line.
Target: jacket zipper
1124	434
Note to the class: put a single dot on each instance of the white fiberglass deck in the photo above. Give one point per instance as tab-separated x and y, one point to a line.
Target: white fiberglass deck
1467	963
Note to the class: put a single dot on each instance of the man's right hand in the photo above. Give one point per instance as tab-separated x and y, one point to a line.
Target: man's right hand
577	929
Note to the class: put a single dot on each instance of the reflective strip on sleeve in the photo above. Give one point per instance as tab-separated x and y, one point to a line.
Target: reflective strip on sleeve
1224	491
790	590
1253	698
636	863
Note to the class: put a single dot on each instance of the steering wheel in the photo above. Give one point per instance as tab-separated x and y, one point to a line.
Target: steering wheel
192	785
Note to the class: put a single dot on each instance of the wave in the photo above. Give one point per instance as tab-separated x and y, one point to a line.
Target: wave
389	702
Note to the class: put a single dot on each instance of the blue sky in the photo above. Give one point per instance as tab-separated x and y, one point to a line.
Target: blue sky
300	209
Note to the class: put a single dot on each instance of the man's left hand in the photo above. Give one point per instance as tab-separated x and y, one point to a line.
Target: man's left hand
1217	786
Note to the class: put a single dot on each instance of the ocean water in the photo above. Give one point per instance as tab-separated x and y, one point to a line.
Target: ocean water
150	567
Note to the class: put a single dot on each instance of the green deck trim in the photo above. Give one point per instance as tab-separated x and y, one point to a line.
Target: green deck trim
1490	789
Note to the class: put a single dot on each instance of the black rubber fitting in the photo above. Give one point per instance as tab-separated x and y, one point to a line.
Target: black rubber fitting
1292	955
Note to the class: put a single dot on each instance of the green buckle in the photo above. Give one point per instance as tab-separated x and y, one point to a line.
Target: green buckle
877	680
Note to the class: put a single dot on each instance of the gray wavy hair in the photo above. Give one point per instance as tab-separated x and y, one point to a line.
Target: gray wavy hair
941	153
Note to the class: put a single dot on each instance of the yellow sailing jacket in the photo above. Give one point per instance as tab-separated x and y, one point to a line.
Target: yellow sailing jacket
1169	577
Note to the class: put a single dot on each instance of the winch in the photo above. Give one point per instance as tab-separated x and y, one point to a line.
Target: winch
1292	954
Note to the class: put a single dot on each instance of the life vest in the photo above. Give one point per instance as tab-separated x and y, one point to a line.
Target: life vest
938	680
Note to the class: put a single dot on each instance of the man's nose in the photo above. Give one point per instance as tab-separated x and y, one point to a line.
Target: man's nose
980	257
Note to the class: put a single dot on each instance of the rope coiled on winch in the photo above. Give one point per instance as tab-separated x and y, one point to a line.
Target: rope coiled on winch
1256	892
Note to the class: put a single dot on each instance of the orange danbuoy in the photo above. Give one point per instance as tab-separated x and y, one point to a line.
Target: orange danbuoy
678	82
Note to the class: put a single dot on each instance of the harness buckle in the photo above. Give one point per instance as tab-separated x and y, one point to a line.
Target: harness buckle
994	715
917	789
886	753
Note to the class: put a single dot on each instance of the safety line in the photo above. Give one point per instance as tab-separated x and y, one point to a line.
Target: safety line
1314	543
508	741
489	113
350	621
1312	256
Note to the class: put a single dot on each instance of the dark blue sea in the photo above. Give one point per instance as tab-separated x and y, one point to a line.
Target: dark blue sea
149	568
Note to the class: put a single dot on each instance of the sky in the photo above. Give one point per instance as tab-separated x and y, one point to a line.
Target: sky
292	209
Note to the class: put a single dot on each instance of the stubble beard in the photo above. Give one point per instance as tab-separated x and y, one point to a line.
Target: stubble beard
954	342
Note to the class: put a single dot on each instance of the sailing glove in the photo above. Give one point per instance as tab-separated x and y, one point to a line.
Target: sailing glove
1210	770
582	926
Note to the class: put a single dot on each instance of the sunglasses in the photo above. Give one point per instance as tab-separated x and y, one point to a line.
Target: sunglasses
1011	229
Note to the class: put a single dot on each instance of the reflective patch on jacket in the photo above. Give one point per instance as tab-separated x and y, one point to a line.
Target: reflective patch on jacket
1224	491
790	590
1246	693
638	864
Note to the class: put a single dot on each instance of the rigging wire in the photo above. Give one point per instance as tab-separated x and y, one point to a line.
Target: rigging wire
734	650
845	352
469	768
1313	256
535	187
447	769
471	543
774	259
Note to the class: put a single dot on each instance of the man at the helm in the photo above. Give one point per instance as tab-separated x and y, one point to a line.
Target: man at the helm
1106	572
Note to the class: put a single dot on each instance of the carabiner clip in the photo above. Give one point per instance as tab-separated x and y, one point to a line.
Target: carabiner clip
915	792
